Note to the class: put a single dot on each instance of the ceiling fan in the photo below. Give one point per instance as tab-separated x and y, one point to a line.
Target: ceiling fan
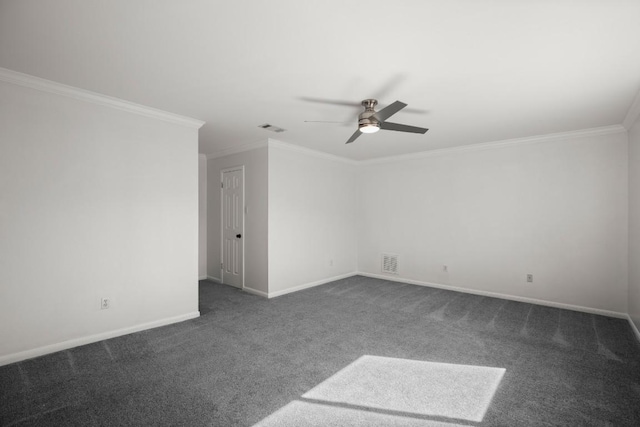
370	120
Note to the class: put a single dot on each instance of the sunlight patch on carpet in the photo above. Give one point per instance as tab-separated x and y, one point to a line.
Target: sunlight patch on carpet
386	389
305	414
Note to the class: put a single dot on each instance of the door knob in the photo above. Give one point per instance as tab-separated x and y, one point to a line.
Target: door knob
238	236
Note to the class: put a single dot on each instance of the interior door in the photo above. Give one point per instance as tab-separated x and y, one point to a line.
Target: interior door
233	227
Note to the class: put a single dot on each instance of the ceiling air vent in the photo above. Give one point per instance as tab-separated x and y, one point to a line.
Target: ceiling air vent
390	263
272	128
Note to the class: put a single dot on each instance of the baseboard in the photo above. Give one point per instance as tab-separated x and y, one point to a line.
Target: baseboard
214	279
634	328
501	296
65	345
255	292
310	285
203	277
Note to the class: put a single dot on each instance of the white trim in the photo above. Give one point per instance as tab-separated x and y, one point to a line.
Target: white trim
215	279
599	311
634	328
283	145
65	345
235	150
37	83
255	292
553	137
310	285
309	152
633	114
203	204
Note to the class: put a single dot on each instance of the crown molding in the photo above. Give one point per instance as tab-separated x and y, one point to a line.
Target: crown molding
26	80
604	130
235	150
269	142
310	152
633	114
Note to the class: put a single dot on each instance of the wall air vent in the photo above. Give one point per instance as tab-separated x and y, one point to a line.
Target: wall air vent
272	128
390	263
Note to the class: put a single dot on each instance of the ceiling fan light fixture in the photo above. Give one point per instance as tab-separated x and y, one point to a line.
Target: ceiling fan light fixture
369	128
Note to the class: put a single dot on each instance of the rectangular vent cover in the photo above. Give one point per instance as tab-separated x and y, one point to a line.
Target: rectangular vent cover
272	128
390	263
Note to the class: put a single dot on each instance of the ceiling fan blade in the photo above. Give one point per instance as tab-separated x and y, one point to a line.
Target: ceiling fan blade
415	110
402	128
355	135
389	111
330	101
325	121
389	86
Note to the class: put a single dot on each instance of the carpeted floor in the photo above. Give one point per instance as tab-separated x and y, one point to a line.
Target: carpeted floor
353	352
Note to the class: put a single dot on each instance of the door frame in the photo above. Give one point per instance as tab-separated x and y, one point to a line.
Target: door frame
244	210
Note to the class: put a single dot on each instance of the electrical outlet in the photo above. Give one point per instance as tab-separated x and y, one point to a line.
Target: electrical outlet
105	303
530	278
445	268
330	263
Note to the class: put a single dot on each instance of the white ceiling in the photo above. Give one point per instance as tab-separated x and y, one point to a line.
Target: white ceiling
473	71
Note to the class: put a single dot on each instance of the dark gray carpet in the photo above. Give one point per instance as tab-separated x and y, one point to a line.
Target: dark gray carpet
248	360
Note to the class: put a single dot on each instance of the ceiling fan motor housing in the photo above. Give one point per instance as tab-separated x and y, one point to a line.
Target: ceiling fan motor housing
367	123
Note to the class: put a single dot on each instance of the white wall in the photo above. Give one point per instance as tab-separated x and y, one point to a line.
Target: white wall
94	202
202	216
555	209
255	233
634	224
312	206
